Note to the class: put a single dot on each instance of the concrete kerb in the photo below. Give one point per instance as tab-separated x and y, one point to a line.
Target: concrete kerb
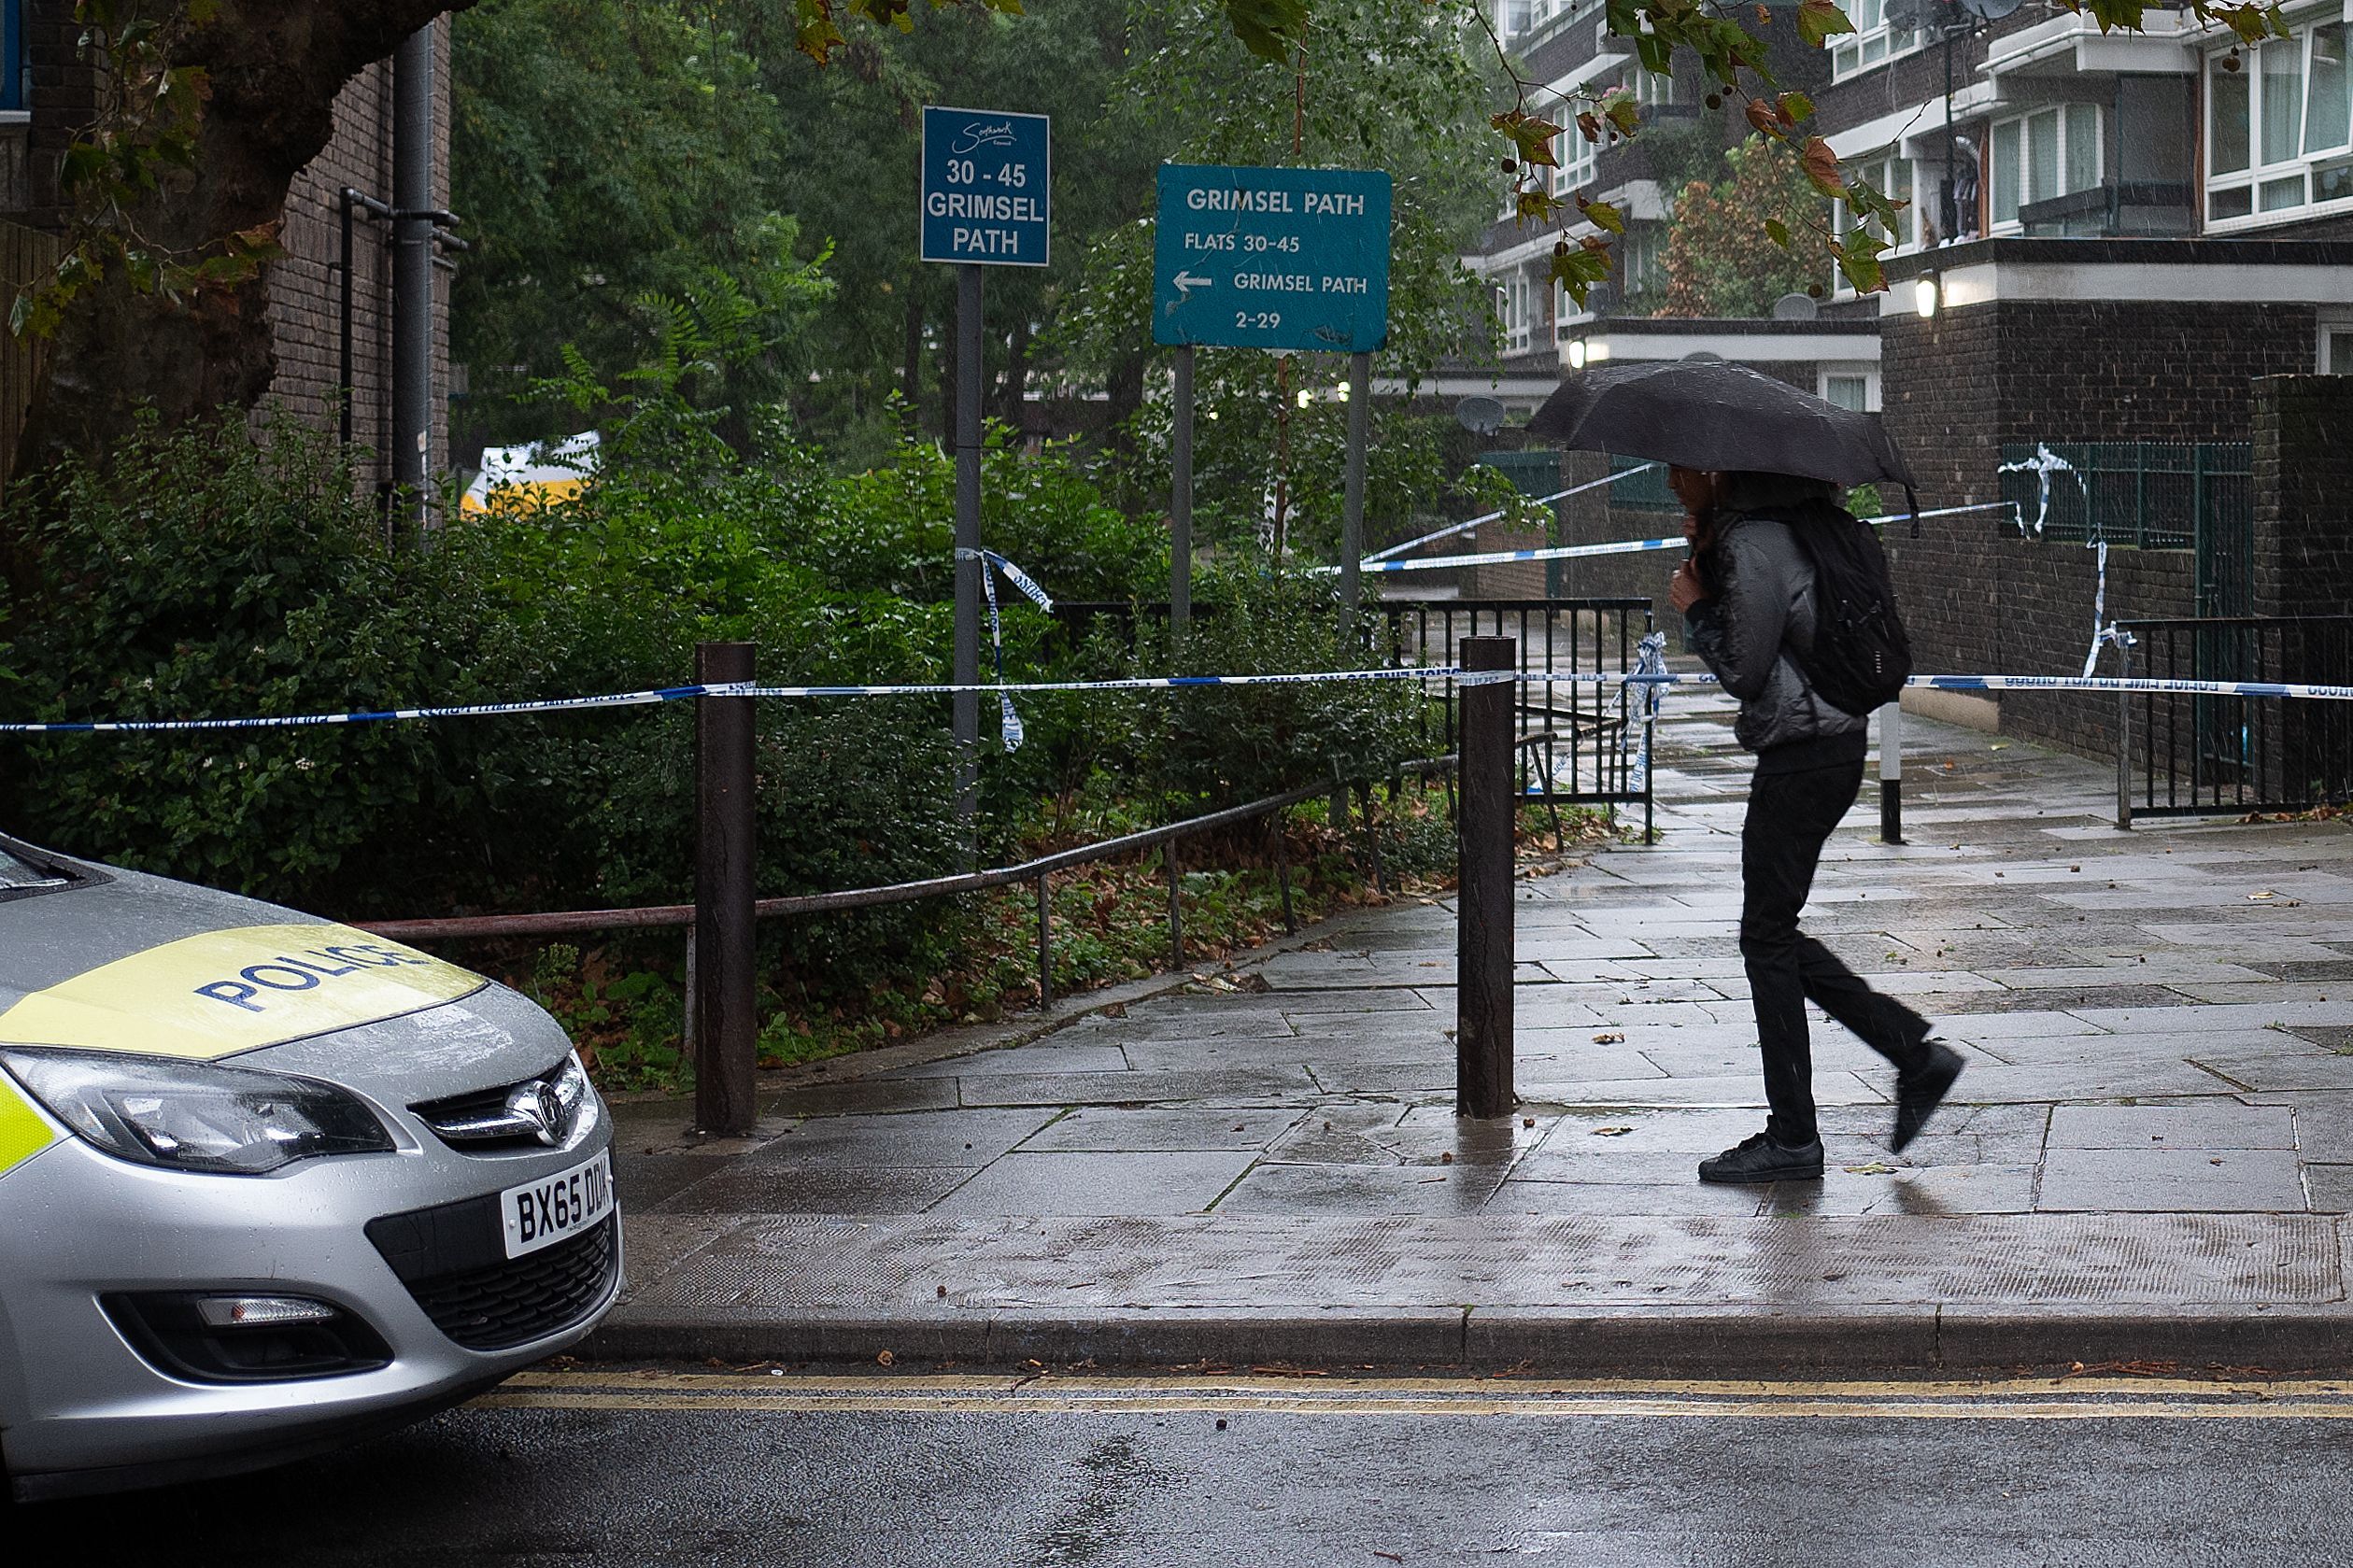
1668	1341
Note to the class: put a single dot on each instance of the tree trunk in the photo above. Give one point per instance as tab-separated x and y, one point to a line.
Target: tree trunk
1016	377
911	370
1125	383
273	69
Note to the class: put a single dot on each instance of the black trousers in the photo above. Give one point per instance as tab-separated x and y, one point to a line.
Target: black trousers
1790	817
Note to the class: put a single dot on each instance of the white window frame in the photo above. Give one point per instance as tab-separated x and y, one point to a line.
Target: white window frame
1516	300
2305	164
1862	370
1580	160
2027	195
1873	43
2333	326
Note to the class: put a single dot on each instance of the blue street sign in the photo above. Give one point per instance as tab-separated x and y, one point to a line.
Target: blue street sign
986	187
1271	258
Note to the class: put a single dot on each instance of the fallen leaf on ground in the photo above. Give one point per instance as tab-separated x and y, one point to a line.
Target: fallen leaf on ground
1612	1132
1609	1037
1877	1167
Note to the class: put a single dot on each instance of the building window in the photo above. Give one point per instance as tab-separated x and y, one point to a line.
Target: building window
1518	301
2052	152
1654	89
2336	347
14	98
1578	157
2278	139
1644	253
1853	388
1873	42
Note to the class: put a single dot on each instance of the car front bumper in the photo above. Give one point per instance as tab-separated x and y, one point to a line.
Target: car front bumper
81	1409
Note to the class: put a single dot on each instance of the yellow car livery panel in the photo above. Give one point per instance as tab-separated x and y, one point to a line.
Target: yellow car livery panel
267	1182
24	1132
211	996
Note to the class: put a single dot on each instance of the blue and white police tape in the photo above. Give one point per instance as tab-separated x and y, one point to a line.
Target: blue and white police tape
1452	528
1161	682
1619	547
1495	558
379	716
1650	658
2159	685
1637	677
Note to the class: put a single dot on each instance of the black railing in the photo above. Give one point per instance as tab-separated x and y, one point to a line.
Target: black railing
1598	738
1592	755
2192	756
2149	494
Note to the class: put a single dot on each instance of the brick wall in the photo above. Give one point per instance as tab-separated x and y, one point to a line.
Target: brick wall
305	287
1979	597
2303	495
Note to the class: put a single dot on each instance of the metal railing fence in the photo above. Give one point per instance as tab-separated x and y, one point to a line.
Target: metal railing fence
2151	495
2186	755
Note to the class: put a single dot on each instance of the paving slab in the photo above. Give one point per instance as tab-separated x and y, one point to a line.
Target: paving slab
2148	1157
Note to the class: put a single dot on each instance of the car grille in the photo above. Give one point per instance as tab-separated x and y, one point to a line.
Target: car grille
486	1120
491	1302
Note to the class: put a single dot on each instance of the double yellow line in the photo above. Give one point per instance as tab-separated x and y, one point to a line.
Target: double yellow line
2079	1398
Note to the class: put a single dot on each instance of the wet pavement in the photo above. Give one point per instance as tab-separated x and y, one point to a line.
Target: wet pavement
2149	1151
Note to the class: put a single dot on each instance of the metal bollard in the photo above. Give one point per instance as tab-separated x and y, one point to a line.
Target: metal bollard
1891	773
2124	741
1045	943
726	1026
1483	936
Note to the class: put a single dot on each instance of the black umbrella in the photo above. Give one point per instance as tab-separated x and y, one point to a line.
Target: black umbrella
1712	414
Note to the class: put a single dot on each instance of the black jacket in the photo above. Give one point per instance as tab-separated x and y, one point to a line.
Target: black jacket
1763	607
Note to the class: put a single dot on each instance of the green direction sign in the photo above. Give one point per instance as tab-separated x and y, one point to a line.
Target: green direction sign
1282	259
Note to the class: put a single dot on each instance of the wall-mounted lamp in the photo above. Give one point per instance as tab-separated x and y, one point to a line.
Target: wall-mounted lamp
1577	353
1924	294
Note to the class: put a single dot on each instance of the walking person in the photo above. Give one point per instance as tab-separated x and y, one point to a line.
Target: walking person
1751	606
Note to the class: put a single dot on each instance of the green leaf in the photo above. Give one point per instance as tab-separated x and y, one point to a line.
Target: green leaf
1602	215
1778	231
1269	29
1858	258
1796	106
1623	113
1821	19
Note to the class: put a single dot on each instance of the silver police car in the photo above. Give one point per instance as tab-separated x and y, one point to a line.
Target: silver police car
268	1183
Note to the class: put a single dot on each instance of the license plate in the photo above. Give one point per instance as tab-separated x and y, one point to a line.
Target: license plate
541	1213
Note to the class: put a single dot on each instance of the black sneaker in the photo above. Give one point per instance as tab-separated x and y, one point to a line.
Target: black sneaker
1918	1094
1760	1159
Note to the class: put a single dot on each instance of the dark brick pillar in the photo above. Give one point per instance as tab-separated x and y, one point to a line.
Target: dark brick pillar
2303	566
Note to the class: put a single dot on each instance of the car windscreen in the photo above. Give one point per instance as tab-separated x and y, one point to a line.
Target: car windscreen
16	875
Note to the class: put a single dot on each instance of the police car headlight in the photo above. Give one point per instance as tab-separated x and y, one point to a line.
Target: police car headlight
192	1116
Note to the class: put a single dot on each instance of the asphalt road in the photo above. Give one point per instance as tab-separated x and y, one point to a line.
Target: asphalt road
663	1468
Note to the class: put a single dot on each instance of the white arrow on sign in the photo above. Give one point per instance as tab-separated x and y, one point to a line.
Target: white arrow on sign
1185	283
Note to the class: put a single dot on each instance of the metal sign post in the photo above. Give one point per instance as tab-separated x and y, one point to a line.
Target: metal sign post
1180	500
1288	260
987	186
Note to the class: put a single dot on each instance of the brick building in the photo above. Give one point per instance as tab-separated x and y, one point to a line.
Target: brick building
46	93
2130	247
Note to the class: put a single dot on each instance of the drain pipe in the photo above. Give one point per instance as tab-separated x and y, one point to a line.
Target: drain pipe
411	457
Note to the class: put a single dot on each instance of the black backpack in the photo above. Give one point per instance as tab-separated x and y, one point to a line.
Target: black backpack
1860	656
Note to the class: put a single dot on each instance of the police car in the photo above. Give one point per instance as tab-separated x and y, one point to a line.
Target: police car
268	1183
